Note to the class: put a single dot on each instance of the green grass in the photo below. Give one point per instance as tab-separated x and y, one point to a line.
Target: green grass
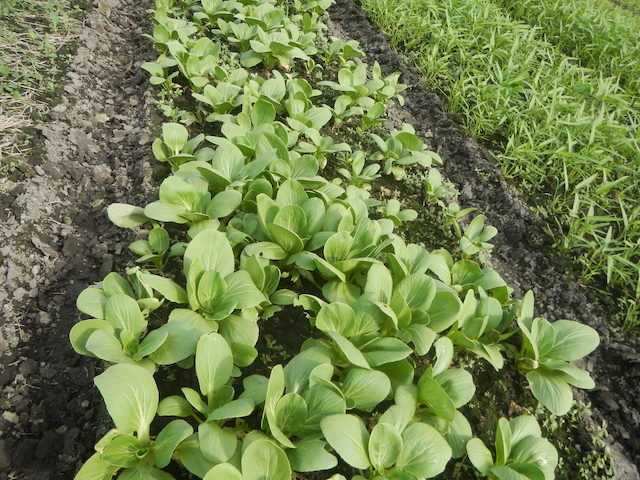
631	6
599	36
570	135
31	35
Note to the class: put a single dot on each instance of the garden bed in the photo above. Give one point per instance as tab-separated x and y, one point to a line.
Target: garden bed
95	149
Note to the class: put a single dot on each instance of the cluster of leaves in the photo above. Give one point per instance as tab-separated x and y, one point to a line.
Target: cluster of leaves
252	212
576	128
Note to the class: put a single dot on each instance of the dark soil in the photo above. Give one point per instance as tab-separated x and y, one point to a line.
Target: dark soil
95	149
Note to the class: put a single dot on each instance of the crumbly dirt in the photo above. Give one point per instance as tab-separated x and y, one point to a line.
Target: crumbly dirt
94	149
55	239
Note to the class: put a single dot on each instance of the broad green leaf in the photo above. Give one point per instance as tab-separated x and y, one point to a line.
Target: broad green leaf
126	216
214	363
211	290
314	209
122	451
152	341
174	136
195	400
525	310
290	413
175	406
241	289
319	116
338	247
170	213
239	408
435	397
131	396
385	446
175	192
519	471
114	284
400	373
328	270
180	343
269	250
522	427
224	203
82	331
336	317
348	436
224	471
545	335
396	416
311	456
479	455
418	290
422	338
289	241
443	311
441	264
236	329
425	453
506	473
193	320
92	301
243	355
458	384
144	473
159	240
104	345
379	282
364	389
123	313
465	272
444	355
167	287
321	402
537	451
191	456
217	444
573	340
572	375
267	210
96	469
503	441
351	353
550	388
168	439
263	460
337	291
275	390
263	112
298	369
255	388
458	435
292	218
385	350
214	252
291	192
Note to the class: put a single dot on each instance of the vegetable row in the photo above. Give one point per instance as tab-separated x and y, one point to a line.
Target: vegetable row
246	225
